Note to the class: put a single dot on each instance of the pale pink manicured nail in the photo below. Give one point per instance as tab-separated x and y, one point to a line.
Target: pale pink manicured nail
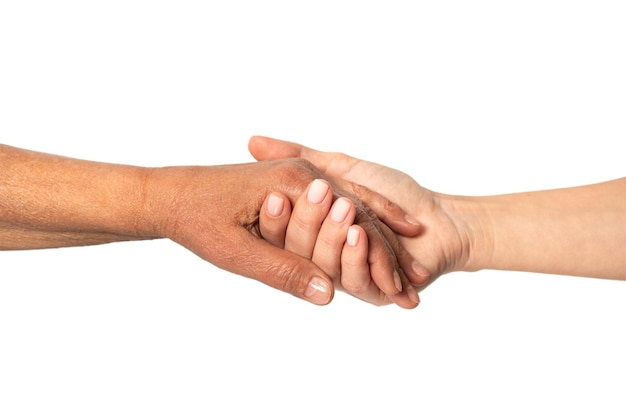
353	236
318	291
275	205
317	191
340	210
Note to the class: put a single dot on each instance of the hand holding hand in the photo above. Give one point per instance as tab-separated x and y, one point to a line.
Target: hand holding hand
326	234
214	212
576	231
54	201
442	245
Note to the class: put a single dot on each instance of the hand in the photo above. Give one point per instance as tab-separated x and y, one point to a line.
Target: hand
442	247
214	212
326	234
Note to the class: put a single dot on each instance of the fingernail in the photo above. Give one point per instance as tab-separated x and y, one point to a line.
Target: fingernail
318	291
317	191
275	205
413	295
353	236
412	220
420	270
397	281
340	210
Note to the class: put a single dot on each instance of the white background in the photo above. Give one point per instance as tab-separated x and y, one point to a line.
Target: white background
474	98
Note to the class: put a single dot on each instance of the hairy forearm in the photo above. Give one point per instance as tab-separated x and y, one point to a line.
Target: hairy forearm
578	231
53	201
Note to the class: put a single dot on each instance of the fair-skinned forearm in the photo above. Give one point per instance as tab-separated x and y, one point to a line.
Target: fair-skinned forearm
571	231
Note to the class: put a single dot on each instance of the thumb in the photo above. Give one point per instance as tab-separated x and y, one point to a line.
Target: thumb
264	148
333	164
284	271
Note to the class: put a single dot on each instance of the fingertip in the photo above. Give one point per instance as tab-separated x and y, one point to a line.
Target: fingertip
318	191
275	205
319	291
385	276
256	146
416	273
412	220
397	281
414	226
413	295
352	238
422	275
256	137
406	226
251	142
405	300
274	218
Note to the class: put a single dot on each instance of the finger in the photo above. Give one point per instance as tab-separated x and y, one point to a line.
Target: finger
408	299
355	273
410	267
277	268
274	218
387	211
356	279
391	266
337	166
307	217
332	236
383	264
263	148
333	164
372	204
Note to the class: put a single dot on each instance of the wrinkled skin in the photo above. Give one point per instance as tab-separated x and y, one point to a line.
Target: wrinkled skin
52	201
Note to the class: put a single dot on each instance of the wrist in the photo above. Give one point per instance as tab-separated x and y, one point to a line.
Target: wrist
157	202
473	248
164	204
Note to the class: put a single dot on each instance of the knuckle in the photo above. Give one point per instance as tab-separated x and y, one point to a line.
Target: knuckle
296	174
354	288
286	277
